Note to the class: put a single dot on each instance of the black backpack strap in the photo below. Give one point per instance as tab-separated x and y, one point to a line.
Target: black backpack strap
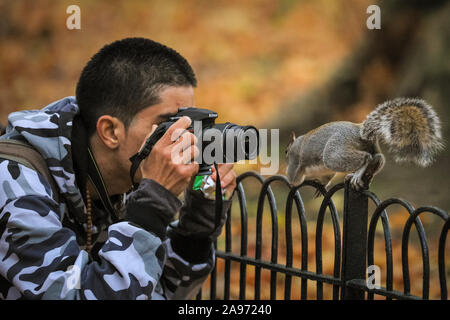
26	155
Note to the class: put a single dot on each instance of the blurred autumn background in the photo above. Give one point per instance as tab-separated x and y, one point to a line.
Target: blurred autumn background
286	64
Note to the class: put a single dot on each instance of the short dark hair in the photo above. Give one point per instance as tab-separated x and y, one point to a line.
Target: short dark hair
126	76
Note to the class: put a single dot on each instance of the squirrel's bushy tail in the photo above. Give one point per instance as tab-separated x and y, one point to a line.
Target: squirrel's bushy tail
409	126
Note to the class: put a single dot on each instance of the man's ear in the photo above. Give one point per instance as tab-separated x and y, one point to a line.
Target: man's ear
111	131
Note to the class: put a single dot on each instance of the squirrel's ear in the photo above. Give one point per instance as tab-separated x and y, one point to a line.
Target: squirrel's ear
292	137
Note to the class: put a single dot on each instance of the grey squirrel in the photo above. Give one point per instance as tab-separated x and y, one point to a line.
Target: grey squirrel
409	126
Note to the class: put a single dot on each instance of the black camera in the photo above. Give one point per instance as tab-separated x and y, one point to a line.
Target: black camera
217	142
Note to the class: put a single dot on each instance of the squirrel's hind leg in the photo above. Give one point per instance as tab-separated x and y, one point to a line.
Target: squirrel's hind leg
375	166
343	157
361	178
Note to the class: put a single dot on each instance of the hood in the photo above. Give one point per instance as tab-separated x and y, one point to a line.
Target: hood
49	131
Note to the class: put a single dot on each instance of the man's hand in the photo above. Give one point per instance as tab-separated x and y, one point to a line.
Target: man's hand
198	215
227	178
160	165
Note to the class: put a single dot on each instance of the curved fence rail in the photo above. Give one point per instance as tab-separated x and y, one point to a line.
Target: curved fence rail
353	249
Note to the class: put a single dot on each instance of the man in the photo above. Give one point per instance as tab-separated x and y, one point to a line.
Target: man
89	246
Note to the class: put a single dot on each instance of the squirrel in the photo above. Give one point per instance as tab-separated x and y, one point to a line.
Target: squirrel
409	126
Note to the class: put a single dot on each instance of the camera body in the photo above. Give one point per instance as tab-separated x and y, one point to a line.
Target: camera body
218	143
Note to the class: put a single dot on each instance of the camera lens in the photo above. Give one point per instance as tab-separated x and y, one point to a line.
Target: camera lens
247	143
238	142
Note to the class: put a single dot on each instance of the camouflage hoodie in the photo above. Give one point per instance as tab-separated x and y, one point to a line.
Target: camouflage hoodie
41	256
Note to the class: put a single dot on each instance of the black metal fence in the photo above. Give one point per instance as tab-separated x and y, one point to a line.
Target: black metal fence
353	250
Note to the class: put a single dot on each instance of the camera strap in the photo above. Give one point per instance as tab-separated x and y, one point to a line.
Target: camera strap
144	152
99	185
219	199
135	162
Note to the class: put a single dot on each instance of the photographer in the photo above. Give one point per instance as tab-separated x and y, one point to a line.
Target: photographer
87	240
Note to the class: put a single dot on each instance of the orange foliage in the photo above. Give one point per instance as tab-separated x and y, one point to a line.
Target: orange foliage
250	57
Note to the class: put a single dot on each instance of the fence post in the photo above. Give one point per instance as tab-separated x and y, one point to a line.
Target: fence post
354	242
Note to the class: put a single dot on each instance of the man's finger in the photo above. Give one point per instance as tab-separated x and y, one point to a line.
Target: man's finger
190	154
228	179
193	167
186	140
224	168
185	149
176	130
